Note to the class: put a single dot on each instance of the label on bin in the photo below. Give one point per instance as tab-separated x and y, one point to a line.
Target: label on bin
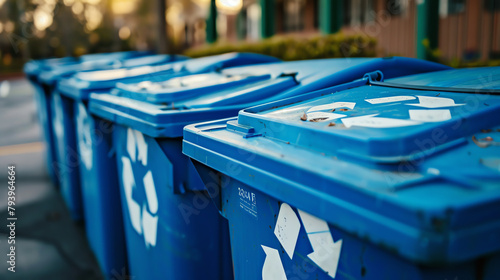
248	201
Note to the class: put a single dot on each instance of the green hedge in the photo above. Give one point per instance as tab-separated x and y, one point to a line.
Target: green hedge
290	48
467	64
436	55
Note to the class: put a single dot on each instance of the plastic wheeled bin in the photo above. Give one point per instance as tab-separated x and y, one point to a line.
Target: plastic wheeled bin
33	69
64	66
69	86
87	173
395	179
172	229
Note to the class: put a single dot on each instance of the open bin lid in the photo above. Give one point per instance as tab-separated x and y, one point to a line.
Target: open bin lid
416	169
81	84
162	109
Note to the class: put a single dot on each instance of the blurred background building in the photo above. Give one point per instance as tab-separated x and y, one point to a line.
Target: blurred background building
451	30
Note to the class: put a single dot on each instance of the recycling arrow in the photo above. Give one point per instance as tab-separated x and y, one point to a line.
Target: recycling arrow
84	136
58	117
273	268
326	252
144	216
287	228
128	185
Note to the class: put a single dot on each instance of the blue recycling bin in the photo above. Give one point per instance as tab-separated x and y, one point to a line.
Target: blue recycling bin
172	229
373	179
44	73
33	69
88	179
68	86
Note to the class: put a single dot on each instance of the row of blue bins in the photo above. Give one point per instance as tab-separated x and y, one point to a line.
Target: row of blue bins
240	166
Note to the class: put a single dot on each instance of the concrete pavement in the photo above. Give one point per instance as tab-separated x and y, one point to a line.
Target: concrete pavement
49	245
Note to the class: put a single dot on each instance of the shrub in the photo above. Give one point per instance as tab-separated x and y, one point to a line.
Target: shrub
290	48
462	64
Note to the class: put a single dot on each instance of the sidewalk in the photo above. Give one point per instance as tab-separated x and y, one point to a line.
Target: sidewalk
49	245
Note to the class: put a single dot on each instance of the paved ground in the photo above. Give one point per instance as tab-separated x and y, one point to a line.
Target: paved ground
49	245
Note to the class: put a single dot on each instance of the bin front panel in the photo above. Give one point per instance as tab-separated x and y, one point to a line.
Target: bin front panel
271	239
100	191
168	234
66	151
44	109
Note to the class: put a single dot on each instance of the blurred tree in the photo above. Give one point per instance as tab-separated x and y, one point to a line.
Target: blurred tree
48	28
162	42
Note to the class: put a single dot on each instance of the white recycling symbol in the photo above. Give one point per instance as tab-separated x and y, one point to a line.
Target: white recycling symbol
143	216
84	137
57	119
326	252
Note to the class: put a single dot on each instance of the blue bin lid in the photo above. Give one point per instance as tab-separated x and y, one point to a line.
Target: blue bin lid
403	163
218	62
51	77
81	84
458	78
34	68
114	55
163	108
